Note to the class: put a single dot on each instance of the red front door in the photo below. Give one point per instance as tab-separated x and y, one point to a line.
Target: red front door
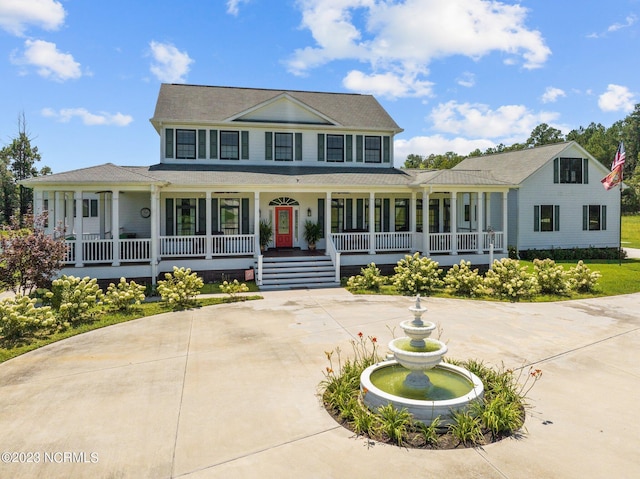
284	233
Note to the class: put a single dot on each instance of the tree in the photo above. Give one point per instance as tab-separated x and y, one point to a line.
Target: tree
29	258
20	157
544	134
7	190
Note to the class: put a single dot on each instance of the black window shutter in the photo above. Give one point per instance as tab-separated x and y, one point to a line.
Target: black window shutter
349	148
202	216
298	146
359	213
585	171
359	152
536	218
245	144
320	146
585	217
244	213
213	144
168	142
556	170
603	218
321	215
202	144
386	214
214	215
386	151
349	214
556	218
169	216
268	145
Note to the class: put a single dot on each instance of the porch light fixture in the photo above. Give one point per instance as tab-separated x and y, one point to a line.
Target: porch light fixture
309	212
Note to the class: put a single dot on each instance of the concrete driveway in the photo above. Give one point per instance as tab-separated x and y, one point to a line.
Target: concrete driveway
230	392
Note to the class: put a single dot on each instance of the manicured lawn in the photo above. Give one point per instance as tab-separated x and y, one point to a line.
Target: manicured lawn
631	231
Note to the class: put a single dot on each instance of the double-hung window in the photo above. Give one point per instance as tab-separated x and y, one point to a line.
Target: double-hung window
186	144
571	170
284	147
546	218
229	145
335	148
372	149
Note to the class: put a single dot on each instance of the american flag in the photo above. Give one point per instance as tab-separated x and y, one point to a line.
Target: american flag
619	158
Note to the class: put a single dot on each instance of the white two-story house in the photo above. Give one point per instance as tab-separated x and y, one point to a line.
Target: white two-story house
233	157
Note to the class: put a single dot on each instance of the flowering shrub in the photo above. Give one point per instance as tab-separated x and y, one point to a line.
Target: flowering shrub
551	277
74	299
124	296
233	288
20	317
416	275
508	280
582	279
369	279
180	288
464	281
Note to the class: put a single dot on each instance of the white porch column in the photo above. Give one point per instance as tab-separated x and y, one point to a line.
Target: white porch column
256	223
327	219
505	216
38	202
101	214
77	196
372	223
454	222
155	232
425	223
115	226
480	222
207	233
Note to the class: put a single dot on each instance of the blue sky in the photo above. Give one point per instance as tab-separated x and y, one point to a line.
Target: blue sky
455	74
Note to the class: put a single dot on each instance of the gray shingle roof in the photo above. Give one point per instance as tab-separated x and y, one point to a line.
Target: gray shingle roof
211	104
107	173
456	178
515	166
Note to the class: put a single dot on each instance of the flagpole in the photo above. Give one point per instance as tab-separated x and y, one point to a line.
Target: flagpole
620	229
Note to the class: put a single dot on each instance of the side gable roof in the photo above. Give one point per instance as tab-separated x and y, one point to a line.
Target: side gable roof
214	104
516	166
107	173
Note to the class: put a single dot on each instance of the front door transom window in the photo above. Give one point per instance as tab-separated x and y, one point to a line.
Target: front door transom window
284	201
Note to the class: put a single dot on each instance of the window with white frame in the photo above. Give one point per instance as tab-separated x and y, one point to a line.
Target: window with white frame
186	144
284	146
229	145
571	170
372	149
335	148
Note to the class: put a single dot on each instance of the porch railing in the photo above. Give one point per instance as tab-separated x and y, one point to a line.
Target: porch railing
101	251
229	245
400	241
134	250
351	242
183	246
439	242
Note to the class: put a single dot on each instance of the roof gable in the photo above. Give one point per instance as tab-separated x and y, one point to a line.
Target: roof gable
283	109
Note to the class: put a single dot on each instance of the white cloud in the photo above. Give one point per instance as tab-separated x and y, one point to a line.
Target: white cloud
405	36
386	84
15	15
629	21
233	6
616	98
509	123
49	61
169	65
436	145
551	94
65	115
466	80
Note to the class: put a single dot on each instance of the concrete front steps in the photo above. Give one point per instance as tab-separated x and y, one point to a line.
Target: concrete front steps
298	272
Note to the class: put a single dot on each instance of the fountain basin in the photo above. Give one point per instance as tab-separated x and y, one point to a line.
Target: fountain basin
418	357
417	332
451	389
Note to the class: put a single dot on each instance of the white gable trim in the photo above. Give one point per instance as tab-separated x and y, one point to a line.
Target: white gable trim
253	113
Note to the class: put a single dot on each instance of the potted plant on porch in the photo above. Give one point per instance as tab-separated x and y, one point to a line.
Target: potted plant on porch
266	234
312	233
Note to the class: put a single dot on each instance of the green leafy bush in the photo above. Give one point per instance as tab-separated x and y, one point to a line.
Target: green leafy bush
463	281
74	299
582	279
466	427
180	288
19	317
415	274
124	296
369	279
233	288
508	280
395	423
551	277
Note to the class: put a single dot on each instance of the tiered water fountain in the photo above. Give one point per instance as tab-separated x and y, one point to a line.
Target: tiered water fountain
417	379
